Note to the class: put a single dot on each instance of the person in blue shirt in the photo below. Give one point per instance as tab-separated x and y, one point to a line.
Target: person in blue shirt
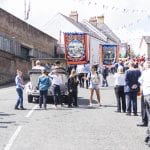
19	89
43	86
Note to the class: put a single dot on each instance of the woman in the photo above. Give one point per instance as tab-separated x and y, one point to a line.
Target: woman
19	89
73	89
119	89
43	85
94	84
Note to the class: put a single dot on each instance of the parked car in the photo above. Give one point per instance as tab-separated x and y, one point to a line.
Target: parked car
31	87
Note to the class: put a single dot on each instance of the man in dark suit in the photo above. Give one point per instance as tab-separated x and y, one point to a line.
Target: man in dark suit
131	87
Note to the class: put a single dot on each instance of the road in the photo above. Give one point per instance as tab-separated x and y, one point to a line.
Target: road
82	128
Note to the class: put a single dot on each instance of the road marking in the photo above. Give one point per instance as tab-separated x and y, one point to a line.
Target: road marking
31	111
12	139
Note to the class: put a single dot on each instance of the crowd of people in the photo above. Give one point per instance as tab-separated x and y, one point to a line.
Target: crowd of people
131	78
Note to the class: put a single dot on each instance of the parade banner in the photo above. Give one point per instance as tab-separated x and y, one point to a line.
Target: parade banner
76	50
109	54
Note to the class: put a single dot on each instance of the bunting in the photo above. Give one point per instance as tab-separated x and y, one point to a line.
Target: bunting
126	11
113	8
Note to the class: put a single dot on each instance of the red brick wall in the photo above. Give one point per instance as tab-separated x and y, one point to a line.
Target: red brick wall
8	66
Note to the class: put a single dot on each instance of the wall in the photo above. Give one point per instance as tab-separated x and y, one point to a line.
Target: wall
8	65
26	34
14	35
94	50
58	26
144	48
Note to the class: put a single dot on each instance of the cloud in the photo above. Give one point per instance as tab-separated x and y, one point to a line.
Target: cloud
124	17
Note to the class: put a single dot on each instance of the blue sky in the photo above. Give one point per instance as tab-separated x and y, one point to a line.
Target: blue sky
129	19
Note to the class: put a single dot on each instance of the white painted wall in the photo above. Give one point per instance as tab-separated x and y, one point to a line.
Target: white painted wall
58	25
94	50
144	49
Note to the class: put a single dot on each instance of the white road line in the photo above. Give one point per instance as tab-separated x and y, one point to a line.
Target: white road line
12	139
31	111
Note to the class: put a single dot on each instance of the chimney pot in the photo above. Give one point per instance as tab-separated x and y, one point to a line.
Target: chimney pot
74	16
93	21
100	19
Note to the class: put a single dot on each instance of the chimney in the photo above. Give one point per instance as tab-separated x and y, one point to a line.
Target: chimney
93	21
100	19
74	16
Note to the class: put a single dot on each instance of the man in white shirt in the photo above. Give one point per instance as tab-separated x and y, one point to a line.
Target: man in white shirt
144	80
56	82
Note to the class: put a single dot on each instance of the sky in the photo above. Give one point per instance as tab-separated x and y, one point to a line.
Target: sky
128	19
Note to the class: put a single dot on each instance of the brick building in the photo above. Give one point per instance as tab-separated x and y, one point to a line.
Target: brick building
19	42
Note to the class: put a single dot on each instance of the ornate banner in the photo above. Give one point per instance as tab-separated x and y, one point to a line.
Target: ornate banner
76	48
109	54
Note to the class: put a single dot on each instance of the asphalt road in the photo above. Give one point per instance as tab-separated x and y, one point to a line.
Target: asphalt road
82	128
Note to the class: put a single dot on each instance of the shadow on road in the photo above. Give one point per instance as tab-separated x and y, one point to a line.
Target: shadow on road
3	124
5	114
109	106
7	85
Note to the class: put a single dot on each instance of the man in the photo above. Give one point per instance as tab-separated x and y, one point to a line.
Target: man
56	82
104	75
145	81
58	65
131	87
38	65
80	71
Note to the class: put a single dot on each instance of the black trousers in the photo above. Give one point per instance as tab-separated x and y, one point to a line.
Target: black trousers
81	80
143	111
104	80
73	98
87	81
120	97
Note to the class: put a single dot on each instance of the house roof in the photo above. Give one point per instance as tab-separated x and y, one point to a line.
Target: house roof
108	32
85	28
77	24
147	39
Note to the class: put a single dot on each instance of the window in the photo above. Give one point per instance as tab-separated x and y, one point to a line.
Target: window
25	52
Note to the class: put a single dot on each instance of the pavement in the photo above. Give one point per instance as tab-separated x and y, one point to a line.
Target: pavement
83	128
